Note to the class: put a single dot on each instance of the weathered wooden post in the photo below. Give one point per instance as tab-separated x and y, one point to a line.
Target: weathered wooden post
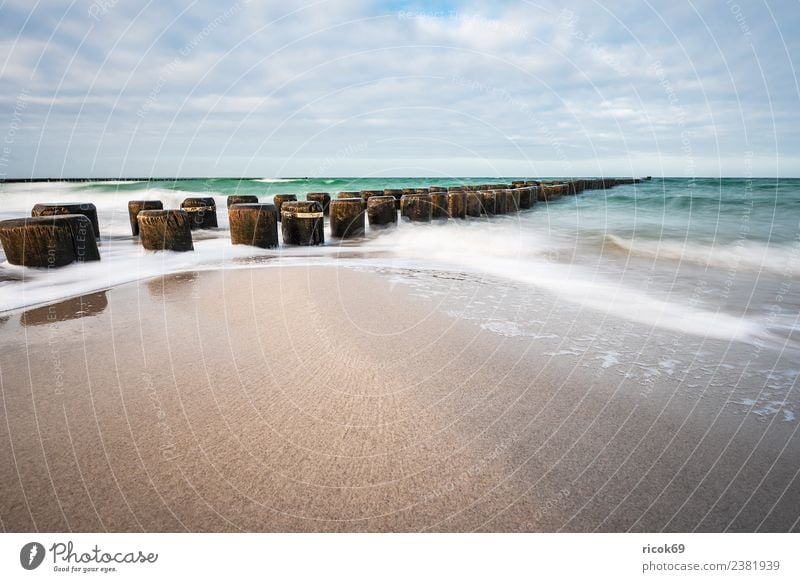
397	193
302	223
87	209
526	197
49	241
474	203
488	202
323	198
576	187
500	202
546	193
367	194
347	218
165	230
279	199
136	206
381	211
241	199
254	224
202	212
439	205
561	189
416	207
457	204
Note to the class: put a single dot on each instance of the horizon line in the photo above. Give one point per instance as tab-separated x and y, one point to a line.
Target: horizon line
245	178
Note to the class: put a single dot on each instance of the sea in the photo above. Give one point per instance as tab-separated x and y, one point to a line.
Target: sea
712	261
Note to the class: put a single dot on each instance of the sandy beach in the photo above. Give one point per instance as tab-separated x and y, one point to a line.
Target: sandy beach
331	399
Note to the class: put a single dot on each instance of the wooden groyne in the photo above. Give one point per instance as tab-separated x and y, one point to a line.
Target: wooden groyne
30	241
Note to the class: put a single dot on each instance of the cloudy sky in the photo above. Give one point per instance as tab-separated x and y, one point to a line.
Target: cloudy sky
356	88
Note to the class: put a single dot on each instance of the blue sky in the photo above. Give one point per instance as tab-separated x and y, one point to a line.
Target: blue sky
125	88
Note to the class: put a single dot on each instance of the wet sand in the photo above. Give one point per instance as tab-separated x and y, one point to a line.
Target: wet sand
323	399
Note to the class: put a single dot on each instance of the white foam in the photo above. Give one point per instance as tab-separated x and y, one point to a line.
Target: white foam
506	249
750	255
609	359
504	328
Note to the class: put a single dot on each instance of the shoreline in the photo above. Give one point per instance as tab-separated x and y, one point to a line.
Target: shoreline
328	399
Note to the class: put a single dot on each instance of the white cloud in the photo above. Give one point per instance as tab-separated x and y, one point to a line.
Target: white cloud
522	82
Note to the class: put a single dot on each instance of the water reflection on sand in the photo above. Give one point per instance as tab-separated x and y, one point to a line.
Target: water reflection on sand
69	309
167	285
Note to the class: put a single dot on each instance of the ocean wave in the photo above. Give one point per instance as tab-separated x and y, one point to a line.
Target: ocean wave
509	251
777	259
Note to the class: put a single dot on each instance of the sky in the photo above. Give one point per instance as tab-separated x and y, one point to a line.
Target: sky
130	88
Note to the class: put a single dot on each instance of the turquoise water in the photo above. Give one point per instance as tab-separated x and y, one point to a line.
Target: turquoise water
704	209
708	210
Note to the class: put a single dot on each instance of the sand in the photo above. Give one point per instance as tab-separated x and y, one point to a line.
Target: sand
324	399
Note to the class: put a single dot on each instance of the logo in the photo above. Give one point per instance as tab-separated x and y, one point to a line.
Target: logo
31	555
